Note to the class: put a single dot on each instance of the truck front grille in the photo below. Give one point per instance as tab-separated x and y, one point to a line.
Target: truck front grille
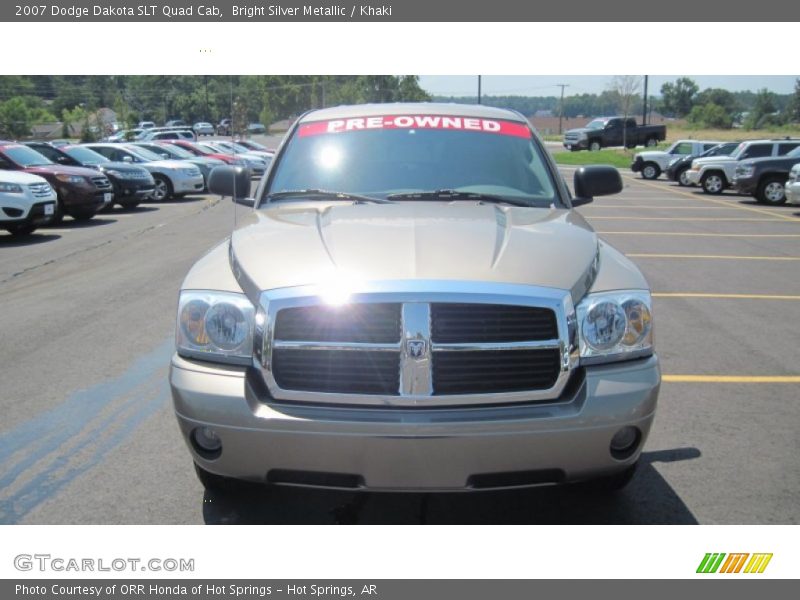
102	183
414	349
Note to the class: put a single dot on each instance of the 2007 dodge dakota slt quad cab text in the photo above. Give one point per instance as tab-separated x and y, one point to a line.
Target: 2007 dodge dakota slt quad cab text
412	304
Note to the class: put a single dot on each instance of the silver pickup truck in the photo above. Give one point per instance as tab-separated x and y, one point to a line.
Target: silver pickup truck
413	304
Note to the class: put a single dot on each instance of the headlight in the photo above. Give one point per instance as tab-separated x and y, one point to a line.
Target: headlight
70	178
745	170
192	172
582	135
215	326
10	188
615	326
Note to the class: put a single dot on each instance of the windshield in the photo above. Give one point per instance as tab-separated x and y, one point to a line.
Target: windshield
85	155
408	154
255	146
26	157
232	147
794	153
175	151
203	149
720	150
596	124
143	153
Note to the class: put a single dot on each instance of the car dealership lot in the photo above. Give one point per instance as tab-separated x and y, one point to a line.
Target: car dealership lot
87	434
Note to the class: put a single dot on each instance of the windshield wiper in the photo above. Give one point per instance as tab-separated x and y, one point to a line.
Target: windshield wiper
325	195
457	195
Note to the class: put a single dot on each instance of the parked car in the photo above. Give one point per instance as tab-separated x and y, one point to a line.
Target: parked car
80	192
237	148
225	127
26	202
176	123
256	128
126	135
654	162
173	151
679	167
255	163
146	125
765	178
793	185
132	184
610	131
200	150
203	128
251	145
715	174
175	134
173	178
372	328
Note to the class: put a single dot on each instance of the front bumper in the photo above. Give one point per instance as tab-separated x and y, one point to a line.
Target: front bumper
183	184
579	144
745	185
693	177
399	449
793	192
38	214
128	188
637	165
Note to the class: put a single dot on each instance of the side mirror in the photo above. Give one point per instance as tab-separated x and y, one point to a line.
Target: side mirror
231	181
127	159
595	180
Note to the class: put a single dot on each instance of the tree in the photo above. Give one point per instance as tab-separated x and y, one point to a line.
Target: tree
626	88
794	110
16	118
678	98
711	116
763	109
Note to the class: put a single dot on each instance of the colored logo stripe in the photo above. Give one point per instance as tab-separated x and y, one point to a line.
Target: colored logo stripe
758	563
710	563
713	562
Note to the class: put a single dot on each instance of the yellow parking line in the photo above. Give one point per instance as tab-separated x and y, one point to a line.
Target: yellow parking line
713	256
724	296
731	378
688	234
713	200
746	219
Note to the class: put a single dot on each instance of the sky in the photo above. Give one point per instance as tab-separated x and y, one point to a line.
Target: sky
546	85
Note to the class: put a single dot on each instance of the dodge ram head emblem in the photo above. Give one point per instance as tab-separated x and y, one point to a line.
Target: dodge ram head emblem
416	348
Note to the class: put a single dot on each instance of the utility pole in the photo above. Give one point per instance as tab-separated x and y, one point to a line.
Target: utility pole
561	105
208	117
479	89
644	109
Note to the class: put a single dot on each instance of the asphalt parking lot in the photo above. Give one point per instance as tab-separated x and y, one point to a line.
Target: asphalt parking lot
88	436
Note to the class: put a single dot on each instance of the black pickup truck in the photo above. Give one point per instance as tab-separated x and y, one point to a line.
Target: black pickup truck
605	132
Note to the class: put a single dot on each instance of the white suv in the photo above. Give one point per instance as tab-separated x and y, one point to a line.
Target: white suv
654	162
715	173
26	202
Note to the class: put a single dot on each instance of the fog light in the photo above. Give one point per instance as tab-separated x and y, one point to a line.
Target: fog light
625	442
206	442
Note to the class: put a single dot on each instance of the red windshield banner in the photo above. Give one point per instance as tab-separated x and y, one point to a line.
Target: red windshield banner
415	122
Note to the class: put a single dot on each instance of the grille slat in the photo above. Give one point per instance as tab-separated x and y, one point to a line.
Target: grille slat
531	370
360	323
476	323
357	372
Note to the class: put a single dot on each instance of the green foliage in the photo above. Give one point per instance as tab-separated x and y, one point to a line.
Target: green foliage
20	113
710	116
679	97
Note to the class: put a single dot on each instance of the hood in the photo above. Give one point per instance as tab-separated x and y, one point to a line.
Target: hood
713	159
654	155
168	164
62	170
122	167
580	130
307	244
20	177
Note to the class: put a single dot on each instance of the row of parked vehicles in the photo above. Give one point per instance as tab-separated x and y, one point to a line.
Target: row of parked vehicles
768	169
41	182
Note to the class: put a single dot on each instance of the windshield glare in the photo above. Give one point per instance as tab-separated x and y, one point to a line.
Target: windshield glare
175	151
26	157
144	154
596	124
383	161
85	155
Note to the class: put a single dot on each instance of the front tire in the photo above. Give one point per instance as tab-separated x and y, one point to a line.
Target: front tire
651	142
650	170
683	178
163	190
595	145
772	191
713	183
83	215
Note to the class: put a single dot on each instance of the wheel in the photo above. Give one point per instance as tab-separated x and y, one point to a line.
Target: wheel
683	177
58	214
595	145
178	196
213	482
650	170
82	215
21	230
611	483
713	183
129	204
163	189
651	142
771	190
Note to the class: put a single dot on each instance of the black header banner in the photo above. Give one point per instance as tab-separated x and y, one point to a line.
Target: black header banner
396	11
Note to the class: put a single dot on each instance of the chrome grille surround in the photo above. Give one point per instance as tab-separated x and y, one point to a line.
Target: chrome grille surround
416	296
40	190
102	183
